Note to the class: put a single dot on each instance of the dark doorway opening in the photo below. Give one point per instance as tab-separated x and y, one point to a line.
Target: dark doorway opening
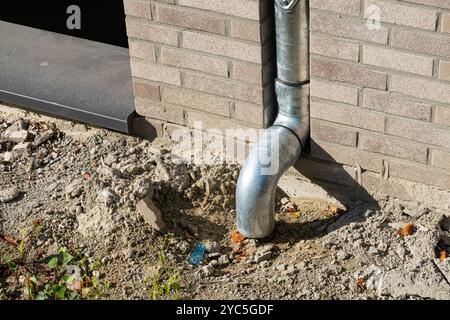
97	20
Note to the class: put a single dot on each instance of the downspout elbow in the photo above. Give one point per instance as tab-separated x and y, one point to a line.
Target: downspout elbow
282	143
278	150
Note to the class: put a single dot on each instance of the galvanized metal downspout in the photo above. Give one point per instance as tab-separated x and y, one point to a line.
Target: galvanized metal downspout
255	194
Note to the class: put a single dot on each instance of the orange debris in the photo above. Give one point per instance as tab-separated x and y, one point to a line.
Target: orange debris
361	283
236	237
406	230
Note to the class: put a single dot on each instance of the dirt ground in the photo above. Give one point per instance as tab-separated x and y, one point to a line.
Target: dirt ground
70	229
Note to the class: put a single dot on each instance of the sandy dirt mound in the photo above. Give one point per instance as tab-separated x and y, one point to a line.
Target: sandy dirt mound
68	206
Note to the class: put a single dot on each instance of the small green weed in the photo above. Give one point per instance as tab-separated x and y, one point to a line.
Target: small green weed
165	280
63	276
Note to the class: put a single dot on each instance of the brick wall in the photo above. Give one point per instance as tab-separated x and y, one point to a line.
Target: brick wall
202	60
380	102
381	98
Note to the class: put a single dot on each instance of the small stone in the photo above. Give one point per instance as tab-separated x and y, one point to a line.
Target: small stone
8	157
52	187
214	255
108	172
183	246
106	197
8	195
210	186
212	247
43	138
281	267
373	251
282	279
358	243
263	254
214	263
290	271
342	255
21	146
74	189
264	264
18	136
151	214
208	270
224	260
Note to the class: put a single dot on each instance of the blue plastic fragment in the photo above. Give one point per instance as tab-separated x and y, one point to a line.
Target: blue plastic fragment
197	254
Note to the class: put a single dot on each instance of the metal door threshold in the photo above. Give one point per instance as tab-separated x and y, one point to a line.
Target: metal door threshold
78	79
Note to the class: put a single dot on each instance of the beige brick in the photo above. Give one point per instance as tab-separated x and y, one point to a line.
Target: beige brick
395	103
248	72
430	196
344	72
159	111
245	29
194	61
224	88
193	19
347	7
327	171
210	121
440	159
237	8
444	70
347	155
404	14
345	114
332	132
421	88
249	113
146	90
196	100
435	3
330	47
155	72
334	91
420	173
446	23
418	131
138	8
388	58
394	147
222	46
421	41
142	49
442	115
152	32
346	27
170	128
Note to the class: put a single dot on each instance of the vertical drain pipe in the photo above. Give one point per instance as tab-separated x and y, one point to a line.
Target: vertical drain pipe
283	142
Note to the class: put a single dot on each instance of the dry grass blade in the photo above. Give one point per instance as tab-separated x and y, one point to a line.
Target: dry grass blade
9	240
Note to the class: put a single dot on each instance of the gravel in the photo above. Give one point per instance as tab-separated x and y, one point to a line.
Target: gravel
84	185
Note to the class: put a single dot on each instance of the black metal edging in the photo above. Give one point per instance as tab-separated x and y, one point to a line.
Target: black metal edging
69	77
